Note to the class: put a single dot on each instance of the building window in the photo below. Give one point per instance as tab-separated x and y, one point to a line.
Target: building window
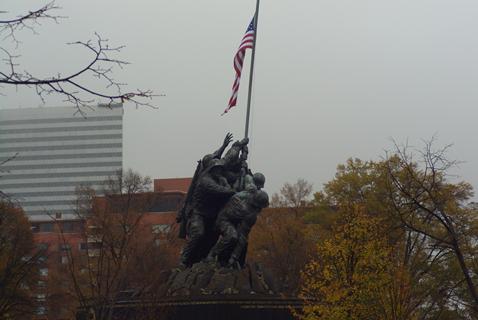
160	228
65	247
157	242
68	227
46	227
26	258
41	297
83	246
64	260
43	246
41	284
35	228
94	245
93	253
42	259
41	310
44	272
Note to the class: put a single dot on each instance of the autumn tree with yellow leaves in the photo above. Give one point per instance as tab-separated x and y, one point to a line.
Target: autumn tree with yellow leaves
18	263
355	274
402	244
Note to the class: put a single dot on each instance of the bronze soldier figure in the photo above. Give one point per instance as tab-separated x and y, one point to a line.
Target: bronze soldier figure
209	195
221	206
205	162
235	221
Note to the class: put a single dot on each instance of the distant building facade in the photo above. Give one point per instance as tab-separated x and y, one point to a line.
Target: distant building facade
56	151
172	184
60	239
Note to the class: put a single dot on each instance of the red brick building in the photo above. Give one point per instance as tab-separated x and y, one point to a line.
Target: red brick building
57	237
173	184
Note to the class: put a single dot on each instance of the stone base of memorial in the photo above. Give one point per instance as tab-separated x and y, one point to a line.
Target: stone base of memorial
206	291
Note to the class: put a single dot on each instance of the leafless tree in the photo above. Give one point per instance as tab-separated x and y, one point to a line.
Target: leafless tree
293	196
3	196
429	205
284	244
121	251
70	86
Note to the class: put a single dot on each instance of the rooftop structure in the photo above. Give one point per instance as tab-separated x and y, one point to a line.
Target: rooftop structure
172	184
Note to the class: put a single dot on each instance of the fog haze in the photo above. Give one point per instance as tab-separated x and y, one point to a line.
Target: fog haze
334	78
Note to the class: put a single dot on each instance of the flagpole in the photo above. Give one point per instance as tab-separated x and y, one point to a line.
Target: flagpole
251	73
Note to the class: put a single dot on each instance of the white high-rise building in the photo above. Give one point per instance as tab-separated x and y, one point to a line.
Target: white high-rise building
57	151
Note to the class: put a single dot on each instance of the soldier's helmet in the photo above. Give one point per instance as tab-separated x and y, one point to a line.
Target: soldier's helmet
259	180
261	199
231	158
216	167
207	160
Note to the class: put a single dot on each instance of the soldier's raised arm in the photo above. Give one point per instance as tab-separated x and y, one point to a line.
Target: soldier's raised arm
227	140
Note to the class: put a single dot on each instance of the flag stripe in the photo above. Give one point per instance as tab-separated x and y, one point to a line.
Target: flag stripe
246	43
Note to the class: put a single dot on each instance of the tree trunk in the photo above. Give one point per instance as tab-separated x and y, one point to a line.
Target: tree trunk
466	274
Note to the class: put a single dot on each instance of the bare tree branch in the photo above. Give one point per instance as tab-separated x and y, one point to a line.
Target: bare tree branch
71	87
433	206
4	196
28	21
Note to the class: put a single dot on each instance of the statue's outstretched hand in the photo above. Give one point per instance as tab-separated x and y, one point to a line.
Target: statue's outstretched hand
228	139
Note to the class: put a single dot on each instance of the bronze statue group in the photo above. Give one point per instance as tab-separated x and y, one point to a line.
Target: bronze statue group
221	207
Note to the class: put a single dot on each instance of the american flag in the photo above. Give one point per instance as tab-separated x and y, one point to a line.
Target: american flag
246	43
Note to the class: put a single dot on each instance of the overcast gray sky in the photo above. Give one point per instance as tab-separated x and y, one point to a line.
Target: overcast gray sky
334	78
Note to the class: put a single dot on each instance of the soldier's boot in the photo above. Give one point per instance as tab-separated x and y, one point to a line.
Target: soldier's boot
211	258
233	263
